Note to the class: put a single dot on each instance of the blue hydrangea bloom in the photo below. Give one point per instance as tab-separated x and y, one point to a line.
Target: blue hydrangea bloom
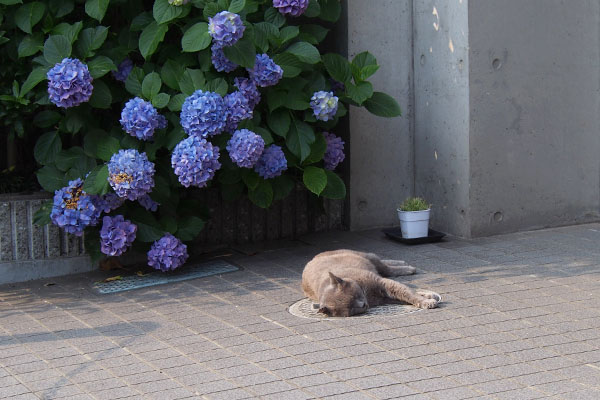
220	61
271	163
195	161
335	151
295	8
108	202
249	90
73	209
203	114
147	202
324	105
123	70
130	174
226	28
245	148
139	118
238	109
116	235
69	83
265	72
167	253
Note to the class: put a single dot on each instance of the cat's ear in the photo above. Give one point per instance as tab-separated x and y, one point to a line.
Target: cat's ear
324	310
335	280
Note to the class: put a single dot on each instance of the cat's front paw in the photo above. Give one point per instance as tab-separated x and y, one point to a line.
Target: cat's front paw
427	303
427	294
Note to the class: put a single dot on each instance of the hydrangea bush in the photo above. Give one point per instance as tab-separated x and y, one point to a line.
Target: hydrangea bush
140	100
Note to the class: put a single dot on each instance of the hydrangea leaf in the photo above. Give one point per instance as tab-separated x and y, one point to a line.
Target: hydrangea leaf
305	52
60	8
317	149
170	73
383	105
50	178
299	139
237	5
70	31
97	181
163	12
242	53
30	45
279	122
250	178
273	16
196	38
42	216
191	80
35	76
189	228
28	15
47	147
151	37
315	31
161	100
288	33
313	10
338	67
56	48
359	92
262	195
176	102
11	2
141	21
265	134
90	39
168	223
46	119
314	179
101	96
282	186
133	84
66	159
106	147
100	66
147	233
96	8
336	188
151	85
330	10
291	65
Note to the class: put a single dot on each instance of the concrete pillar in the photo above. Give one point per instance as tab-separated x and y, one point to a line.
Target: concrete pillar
381	156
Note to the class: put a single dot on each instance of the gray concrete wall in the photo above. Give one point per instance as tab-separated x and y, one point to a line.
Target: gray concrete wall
441	146
534	100
381	156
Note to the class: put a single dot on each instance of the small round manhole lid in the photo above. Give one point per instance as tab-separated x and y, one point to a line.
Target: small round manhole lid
304	309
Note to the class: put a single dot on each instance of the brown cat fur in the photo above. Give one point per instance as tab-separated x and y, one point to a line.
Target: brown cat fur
348	282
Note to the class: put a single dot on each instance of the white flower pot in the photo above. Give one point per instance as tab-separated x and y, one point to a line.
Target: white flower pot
414	224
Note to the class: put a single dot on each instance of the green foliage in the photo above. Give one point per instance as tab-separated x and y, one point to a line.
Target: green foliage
170	49
414	204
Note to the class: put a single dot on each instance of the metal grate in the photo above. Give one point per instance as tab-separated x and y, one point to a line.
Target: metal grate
304	309
159	278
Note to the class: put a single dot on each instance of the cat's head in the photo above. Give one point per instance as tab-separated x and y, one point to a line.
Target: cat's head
342	298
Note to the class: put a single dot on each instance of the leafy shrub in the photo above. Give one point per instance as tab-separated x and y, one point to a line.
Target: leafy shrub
414	204
155	96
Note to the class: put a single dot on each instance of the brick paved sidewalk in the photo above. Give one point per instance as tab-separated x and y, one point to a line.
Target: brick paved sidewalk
520	320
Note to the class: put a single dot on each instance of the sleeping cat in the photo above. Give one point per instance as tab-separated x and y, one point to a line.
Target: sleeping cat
347	282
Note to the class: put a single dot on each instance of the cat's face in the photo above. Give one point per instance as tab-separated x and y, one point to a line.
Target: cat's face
342	298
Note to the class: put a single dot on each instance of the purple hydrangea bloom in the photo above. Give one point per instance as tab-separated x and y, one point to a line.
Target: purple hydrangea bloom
249	90
220	61
139	118
195	161
123	70
245	148
295	8
130	174
335	151
116	235
73	209
147	202
69	83
108	202
238	109
203	114
167	253
324	105
271	163
226	28
265	72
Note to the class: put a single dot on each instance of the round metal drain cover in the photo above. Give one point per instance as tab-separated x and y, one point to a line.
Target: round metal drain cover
304	309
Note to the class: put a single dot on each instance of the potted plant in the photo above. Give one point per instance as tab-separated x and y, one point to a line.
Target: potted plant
414	217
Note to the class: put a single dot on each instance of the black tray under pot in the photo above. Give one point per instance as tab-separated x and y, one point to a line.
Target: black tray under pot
396	234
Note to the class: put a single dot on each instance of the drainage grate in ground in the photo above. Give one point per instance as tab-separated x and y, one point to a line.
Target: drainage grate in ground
193	271
304	309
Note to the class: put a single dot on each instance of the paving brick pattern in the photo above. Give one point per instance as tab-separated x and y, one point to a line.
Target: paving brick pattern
520	320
